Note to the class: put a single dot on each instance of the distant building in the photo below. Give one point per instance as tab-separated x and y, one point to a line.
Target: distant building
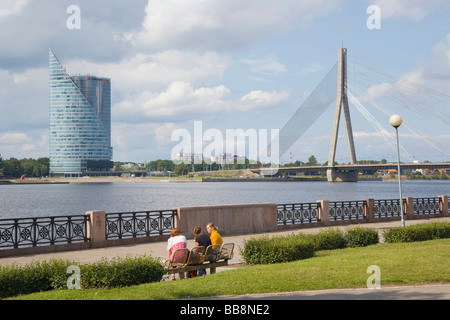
80	123
228	158
188	158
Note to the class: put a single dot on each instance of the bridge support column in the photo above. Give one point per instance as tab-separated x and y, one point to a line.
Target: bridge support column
334	175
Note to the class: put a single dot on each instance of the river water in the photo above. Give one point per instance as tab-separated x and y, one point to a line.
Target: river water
24	201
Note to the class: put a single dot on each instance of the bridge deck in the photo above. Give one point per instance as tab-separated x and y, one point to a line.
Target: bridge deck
360	167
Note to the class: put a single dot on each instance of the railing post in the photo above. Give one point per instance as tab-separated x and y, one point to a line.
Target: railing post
409	207
369	209
96	230
443	205
324	210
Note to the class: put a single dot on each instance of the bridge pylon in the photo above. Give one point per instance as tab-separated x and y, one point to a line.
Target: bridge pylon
334	175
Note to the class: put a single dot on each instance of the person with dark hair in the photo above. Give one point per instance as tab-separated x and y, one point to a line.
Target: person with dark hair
201	240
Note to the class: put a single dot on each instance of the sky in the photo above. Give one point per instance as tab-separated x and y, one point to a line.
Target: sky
227	64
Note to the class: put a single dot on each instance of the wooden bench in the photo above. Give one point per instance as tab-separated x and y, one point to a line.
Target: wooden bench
185	260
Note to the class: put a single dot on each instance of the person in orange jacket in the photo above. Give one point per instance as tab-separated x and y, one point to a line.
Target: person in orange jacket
215	236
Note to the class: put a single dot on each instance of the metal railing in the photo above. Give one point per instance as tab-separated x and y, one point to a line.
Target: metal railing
42	231
139	224
297	213
347	210
45	231
388	208
423	206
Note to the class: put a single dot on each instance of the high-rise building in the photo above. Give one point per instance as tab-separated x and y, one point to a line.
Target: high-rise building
80	123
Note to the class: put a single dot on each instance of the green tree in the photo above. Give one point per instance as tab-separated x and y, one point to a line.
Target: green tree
1	166
312	161
12	168
181	169
118	167
160	165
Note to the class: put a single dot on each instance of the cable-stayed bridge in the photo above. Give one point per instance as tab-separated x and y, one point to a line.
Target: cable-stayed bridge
346	168
365	88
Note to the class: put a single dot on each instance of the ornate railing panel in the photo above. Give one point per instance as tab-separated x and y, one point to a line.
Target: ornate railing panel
388	208
426	205
139	224
33	232
347	210
297	213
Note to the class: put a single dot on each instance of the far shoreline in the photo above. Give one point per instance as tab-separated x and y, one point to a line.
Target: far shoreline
57	180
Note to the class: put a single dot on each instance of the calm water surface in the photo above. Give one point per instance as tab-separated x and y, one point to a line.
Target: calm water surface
19	201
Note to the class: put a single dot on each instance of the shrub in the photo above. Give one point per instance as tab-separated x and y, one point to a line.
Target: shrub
120	272
44	276
418	232
265	250
361	237
328	239
32	277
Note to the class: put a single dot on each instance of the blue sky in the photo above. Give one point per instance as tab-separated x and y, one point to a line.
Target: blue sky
228	63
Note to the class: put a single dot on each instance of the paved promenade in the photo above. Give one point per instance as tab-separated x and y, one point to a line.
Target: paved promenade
426	292
158	249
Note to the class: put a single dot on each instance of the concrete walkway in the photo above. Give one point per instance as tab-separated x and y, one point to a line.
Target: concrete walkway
158	249
426	292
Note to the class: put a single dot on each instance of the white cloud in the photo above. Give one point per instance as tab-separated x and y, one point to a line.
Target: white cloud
29	27
24	144
142	141
177	101
258	99
142	72
181	100
13	137
11	7
23	99
312	68
266	66
438	69
414	10
223	24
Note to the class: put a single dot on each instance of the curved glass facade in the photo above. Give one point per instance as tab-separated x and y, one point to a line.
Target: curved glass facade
80	122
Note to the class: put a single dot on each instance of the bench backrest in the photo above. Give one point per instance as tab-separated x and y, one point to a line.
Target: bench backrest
179	257
226	251
196	255
212	253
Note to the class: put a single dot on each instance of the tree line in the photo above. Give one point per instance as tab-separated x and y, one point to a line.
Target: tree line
31	168
185	168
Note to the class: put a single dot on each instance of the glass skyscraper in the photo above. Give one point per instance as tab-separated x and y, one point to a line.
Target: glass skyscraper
80	123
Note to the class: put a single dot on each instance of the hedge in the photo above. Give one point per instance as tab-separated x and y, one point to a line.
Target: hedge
361	237
418	232
51	275
265	250
262	250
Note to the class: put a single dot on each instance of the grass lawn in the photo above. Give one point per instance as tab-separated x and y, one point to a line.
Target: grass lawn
400	264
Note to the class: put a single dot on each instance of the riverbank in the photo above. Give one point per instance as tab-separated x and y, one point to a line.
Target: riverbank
31	181
161	180
185	179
